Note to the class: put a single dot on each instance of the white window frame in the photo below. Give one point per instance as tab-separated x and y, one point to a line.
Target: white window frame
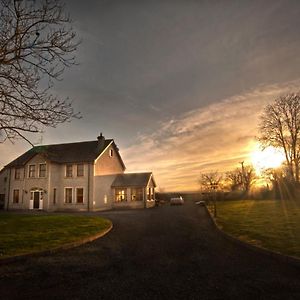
14	196
65	189
79	187
40	170
81	164
111	152
19	169
66	171
34	171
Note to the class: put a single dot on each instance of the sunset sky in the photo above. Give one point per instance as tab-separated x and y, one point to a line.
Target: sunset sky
179	85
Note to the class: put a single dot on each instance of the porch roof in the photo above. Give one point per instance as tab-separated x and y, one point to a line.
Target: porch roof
133	179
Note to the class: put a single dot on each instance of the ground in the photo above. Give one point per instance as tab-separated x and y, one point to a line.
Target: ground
28	233
272	224
170	252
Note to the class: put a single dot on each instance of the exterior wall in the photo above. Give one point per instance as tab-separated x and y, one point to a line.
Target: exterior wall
25	184
4	186
59	181
108	165
103	194
55	178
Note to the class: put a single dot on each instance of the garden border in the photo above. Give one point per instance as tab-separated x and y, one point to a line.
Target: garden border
78	243
276	255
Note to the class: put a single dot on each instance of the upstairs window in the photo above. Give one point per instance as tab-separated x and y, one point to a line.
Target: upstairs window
17	173
111	152
31	173
42	170
80	170
69	170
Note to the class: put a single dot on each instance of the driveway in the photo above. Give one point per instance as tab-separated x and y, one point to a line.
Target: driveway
161	253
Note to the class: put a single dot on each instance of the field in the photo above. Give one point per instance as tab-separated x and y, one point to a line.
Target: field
271	224
22	234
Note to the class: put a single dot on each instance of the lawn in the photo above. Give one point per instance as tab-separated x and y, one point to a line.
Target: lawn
271	224
22	234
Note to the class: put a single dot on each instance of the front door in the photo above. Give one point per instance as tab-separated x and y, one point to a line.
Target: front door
36	200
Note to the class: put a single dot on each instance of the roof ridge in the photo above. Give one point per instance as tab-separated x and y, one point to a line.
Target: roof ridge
68	143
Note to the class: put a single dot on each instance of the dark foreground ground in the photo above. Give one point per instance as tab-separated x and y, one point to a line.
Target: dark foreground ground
162	253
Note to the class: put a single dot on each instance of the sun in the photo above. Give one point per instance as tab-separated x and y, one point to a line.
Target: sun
270	157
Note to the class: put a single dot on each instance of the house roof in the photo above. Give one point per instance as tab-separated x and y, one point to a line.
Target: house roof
133	179
64	153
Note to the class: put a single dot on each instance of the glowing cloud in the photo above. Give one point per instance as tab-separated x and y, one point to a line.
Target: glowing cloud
215	137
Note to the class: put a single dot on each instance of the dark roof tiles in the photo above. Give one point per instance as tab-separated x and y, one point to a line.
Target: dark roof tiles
132	179
64	153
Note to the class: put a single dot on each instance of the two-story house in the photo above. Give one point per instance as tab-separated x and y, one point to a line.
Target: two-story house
75	176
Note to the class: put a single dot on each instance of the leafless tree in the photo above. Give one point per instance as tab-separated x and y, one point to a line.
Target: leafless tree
210	180
234	178
241	178
280	128
37	43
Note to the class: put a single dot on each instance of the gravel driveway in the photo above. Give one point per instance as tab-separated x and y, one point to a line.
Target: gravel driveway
161	253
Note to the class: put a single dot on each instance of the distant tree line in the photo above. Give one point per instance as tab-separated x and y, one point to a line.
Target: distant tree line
279	127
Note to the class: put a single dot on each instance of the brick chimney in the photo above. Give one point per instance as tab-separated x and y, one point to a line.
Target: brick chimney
101	142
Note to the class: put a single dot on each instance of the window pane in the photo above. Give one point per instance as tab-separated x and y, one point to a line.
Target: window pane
137	194
42	171
54	196
31	171
68	195
121	195
16	196
80	170
69	171
17	173
79	195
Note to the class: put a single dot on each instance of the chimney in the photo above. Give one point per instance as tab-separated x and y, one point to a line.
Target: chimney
101	142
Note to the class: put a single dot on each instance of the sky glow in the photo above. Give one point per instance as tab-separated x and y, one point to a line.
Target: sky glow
179	85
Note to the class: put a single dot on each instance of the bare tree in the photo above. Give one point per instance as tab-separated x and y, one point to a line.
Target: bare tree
37	43
241	179
280	128
248	177
210	180
234	178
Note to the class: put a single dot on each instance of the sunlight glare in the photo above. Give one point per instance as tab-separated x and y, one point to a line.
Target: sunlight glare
270	157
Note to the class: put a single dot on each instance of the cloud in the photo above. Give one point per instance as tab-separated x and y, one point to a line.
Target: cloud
215	137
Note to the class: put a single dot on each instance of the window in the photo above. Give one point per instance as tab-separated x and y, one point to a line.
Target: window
31	171
111	152
68	195
150	192
69	171
79	195
80	170
54	196
42	170
16	196
137	194
17	173
121	195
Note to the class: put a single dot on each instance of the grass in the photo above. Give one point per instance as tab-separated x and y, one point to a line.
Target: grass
271	224
22	234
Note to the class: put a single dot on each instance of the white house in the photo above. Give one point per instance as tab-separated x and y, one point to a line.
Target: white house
85	176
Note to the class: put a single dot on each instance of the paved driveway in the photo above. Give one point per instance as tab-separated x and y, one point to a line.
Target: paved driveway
162	253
